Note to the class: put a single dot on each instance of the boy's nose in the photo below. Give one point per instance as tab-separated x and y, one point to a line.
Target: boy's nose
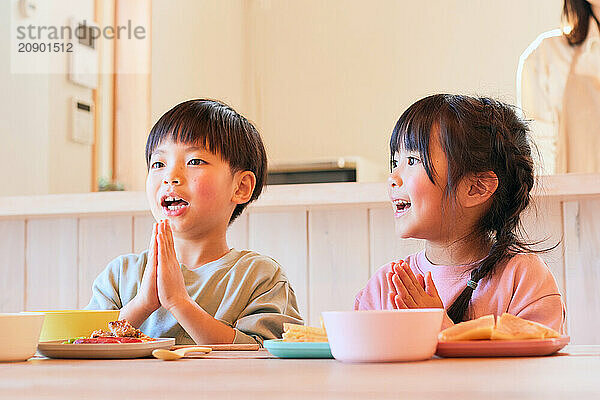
171	181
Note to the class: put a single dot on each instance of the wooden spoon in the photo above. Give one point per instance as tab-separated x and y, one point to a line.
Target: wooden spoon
169	355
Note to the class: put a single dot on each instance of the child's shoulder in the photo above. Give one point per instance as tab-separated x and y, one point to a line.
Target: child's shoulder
252	261
527	265
128	262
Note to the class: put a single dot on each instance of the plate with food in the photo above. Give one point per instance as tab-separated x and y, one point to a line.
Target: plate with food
508	336
300	341
122	340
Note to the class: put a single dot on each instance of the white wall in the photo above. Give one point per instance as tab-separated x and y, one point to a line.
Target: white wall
24	117
197	51
330	78
320	79
35	113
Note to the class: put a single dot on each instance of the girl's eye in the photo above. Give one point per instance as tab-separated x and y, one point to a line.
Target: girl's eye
196	161
157	164
393	164
412	160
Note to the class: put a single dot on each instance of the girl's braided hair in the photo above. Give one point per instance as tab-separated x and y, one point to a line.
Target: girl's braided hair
477	135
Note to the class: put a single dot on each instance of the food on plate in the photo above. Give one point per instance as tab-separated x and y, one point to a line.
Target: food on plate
476	329
507	327
301	333
119	332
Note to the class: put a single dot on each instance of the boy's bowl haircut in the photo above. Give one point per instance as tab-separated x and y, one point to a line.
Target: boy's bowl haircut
222	131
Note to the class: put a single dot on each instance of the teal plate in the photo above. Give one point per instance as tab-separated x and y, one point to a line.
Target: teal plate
282	349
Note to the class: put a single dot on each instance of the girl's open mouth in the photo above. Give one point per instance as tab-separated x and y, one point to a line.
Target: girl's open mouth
400	207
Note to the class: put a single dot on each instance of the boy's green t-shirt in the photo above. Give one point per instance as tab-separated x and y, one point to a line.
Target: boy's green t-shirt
242	289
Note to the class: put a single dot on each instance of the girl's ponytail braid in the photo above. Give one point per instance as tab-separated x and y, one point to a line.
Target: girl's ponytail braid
512	163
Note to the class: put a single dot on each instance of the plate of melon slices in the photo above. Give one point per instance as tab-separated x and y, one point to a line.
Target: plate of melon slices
508	336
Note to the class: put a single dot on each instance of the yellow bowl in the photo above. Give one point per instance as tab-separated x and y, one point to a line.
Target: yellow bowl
66	324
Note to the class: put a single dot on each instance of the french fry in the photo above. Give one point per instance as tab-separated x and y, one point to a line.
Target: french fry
301	333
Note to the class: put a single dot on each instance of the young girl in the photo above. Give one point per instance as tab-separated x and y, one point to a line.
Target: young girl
461	175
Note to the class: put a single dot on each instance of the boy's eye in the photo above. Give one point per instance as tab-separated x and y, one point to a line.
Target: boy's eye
157	164
412	160
196	161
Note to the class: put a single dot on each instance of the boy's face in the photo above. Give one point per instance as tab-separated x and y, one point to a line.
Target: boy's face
191	187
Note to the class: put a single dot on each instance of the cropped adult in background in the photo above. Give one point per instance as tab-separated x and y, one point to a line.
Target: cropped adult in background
558	87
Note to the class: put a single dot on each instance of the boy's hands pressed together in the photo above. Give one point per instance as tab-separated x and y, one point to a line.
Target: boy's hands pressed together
201	326
410	291
146	300
170	284
148	293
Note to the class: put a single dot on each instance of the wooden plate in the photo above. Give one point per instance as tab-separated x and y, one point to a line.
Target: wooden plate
57	349
501	348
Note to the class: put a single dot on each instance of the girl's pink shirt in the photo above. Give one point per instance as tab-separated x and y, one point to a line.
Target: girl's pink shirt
523	286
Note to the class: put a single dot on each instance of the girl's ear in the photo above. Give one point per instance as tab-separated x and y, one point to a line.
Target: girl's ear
245	182
477	188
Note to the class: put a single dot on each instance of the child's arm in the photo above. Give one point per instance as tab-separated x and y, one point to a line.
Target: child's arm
146	299
200	325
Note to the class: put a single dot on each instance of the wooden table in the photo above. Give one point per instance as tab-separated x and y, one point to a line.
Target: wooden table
574	373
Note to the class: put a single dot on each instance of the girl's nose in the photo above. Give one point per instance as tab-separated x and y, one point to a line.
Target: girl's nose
173	181
394	180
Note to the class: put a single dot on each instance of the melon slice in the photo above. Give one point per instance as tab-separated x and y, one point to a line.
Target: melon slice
510	327
475	329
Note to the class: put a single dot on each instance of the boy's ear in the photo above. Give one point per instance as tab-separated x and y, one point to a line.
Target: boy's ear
476	189
245	183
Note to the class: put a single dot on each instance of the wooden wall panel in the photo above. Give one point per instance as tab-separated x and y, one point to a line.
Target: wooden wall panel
283	236
543	221
237	234
51	259
12	267
338	258
582	270
101	239
142	230
385	245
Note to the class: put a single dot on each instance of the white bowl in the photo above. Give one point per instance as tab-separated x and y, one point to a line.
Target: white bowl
384	335
19	335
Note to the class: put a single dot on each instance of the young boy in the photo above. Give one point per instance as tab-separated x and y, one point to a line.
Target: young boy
205	164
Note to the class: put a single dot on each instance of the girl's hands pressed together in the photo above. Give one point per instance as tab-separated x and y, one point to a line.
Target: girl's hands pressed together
410	291
170	284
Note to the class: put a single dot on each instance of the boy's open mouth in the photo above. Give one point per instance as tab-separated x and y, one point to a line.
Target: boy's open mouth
172	203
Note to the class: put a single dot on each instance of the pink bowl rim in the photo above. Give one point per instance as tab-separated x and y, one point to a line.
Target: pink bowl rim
403	311
55	312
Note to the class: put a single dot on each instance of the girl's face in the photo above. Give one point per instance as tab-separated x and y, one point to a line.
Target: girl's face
191	187
417	202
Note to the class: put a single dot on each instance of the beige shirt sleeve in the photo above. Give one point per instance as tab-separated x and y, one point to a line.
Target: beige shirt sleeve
264	316
105	289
